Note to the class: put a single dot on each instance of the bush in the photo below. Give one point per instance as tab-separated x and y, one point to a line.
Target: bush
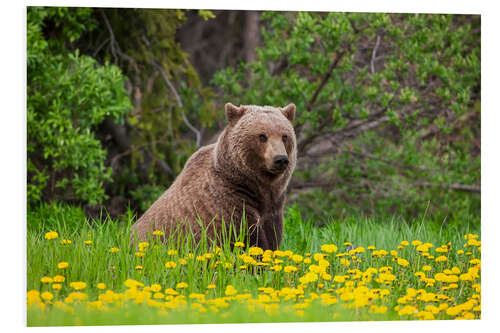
68	96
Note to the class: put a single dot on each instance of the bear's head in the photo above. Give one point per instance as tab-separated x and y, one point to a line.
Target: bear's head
259	141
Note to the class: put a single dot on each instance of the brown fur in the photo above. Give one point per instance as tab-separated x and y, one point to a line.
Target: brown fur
236	174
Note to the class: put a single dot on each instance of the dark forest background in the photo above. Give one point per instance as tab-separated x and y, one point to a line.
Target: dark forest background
388	105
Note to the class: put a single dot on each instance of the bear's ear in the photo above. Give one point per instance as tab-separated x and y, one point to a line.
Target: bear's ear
233	112
289	111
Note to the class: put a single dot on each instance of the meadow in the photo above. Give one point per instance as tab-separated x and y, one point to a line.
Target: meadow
84	272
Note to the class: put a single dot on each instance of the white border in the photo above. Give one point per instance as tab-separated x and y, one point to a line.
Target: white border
14	155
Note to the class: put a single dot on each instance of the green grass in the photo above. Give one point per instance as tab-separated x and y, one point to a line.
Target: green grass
93	263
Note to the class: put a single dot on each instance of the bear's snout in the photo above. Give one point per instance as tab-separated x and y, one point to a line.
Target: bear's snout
280	162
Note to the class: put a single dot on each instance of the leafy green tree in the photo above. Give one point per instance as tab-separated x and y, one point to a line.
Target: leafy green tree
68	96
388	108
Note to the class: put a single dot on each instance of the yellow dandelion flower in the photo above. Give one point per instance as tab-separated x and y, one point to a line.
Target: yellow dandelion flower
62	265
114	250
65	241
290	269
441	259
255	251
46	279
181	285
155	287
78	285
329	248
371	247
239	244
139	267
51	235
56	286
170	264
403	262
230	291
88	242
158	233
211	286
139	254
416	243
101	285
47	296
426	268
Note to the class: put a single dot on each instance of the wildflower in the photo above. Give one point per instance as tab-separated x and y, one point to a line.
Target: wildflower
211	286
290	269
78	285
239	244
114	250
62	265
403	262
318	256
155	287
426	268
307	260
441	259
230	291
158	233
344	262
47	296
181	285
88	242
101	285
170	264
416	243
329	248
130	283
56	286
255	251
139	254
371	247
182	261
460	251
65	241
139	267
46	279
297	258
404	243
51	235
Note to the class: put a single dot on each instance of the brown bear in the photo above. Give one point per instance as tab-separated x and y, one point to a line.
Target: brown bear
243	175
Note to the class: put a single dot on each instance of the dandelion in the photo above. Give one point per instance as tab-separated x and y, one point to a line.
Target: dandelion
114	250
329	248
230	291
88	242
139	267
255	251
170	264
101	286
62	265
426	268
78	285
441	259
158	233
211	286
181	285
403	262
239	244
46	279
51	235
290	269
139	254
47	296
65	241
56	286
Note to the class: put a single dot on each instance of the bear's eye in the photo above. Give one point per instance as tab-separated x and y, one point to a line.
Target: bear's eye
285	138
262	138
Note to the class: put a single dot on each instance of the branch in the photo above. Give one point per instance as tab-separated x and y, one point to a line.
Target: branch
374	54
179	103
456	187
333	65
